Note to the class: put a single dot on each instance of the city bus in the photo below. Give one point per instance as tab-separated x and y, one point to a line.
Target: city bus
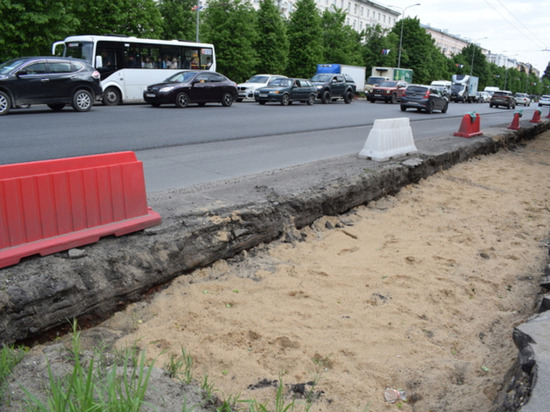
129	64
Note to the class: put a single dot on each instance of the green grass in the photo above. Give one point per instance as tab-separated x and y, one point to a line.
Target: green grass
120	385
9	358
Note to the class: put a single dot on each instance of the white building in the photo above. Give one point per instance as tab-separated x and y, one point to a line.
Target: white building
360	14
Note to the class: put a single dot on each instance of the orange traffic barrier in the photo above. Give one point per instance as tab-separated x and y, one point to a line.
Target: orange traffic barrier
536	116
54	205
515	122
470	126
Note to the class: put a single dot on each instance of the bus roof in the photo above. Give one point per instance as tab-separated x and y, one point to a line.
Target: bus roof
133	39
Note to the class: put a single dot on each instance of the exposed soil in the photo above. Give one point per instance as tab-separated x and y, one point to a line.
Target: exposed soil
418	292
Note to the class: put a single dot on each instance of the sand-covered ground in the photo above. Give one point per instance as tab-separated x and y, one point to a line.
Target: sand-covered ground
418	292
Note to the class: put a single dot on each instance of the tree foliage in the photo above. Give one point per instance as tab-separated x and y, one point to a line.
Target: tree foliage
341	44
29	27
304	33
231	27
179	21
272	43
139	18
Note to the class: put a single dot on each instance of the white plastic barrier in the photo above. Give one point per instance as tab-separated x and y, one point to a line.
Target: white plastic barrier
389	138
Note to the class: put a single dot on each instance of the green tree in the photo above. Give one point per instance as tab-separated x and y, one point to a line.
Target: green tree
179	19
272	44
29	27
341	44
304	33
139	18
473	53
546	74
379	47
418	51
231	27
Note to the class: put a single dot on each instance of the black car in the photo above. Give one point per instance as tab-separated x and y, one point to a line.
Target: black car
55	81
503	98
421	97
286	91
192	87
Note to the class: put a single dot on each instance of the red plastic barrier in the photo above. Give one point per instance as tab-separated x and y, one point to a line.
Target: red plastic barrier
536	117
548	116
470	126
515	122
54	205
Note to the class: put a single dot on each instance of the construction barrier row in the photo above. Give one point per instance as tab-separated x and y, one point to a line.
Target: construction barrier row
54	205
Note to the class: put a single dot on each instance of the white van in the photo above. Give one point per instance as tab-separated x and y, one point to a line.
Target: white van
444	84
491	89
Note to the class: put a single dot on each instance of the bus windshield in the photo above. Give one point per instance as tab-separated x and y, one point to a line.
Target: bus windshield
80	50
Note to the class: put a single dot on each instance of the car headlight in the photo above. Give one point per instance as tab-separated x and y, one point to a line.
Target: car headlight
319	87
166	89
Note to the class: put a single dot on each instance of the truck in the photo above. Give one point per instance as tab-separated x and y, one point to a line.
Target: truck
357	73
332	86
380	74
464	88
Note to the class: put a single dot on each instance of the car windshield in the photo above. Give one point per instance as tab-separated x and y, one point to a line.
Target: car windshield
321	78
281	83
9	65
375	80
388	84
500	94
258	79
181	77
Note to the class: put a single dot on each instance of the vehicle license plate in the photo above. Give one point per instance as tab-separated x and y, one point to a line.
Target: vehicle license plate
150	95
263	94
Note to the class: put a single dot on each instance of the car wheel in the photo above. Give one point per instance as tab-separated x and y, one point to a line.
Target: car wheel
325	97
5	103
227	99
112	96
285	100
348	97
82	101
393	98
311	99
182	100
490	105
430	107
202	104
372	100
403	108
57	107
262	102
445	107
155	104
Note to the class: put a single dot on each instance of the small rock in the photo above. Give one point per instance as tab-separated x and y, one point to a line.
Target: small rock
76	253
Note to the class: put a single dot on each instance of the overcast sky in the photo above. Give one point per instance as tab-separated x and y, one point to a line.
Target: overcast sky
519	29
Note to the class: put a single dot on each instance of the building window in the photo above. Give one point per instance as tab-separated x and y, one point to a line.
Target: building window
361	11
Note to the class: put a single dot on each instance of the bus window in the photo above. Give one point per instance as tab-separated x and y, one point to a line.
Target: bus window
205	58
150	57
80	50
132	57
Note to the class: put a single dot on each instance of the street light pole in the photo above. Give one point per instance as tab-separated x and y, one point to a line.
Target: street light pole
401	37
473	54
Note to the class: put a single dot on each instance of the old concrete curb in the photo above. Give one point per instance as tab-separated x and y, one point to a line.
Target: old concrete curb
207	223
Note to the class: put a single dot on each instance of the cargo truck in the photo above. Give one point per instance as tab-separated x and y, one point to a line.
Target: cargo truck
357	73
464	88
380	74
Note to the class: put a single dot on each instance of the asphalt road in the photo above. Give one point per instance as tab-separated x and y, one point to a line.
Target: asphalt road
183	147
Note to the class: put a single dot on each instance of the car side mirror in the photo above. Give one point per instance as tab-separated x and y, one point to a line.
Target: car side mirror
21	73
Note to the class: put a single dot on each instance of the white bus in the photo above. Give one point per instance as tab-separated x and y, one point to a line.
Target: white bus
129	64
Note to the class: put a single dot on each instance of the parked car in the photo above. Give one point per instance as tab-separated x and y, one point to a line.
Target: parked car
389	91
55	81
286	91
544	100
192	86
423	97
503	98
522	98
246	90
